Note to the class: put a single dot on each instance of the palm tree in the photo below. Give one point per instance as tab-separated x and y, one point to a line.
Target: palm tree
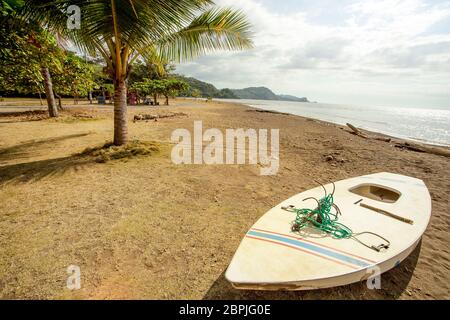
37	49
122	31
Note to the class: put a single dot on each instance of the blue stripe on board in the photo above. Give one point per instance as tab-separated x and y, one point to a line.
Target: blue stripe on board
311	247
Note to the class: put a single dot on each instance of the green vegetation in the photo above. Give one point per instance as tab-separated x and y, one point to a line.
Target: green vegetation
169	87
263	93
199	88
75	78
149	79
156	31
33	61
203	89
256	93
27	53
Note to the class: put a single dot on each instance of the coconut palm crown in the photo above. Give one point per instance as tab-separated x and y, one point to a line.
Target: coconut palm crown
122	31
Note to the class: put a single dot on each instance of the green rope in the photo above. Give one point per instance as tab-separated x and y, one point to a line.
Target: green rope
321	218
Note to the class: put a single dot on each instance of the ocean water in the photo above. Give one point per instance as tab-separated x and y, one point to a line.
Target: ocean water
431	125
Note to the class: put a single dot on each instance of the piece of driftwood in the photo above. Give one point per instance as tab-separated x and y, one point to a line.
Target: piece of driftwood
385	139
144	117
267	111
424	148
358	132
445	152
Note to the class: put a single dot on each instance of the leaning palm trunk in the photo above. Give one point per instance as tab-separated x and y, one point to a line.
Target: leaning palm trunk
120	113
52	109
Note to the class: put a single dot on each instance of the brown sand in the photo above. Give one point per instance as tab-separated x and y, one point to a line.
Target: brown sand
145	228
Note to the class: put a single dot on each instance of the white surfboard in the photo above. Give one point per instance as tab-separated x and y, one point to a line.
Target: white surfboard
273	257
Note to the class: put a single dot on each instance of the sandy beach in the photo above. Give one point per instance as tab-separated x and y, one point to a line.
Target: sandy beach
145	228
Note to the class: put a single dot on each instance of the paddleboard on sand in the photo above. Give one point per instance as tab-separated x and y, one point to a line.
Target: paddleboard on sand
393	210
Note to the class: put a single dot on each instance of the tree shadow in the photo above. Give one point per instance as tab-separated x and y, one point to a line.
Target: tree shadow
23	149
393	284
34	171
23	116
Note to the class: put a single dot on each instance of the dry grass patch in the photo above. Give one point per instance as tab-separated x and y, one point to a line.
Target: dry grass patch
65	116
109	151
29	115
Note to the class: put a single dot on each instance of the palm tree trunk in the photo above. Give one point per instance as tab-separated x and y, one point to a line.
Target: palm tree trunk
52	110
120	113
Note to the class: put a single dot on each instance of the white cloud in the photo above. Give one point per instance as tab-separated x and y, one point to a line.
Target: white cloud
379	52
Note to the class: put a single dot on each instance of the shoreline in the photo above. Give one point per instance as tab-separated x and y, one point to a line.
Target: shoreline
373	130
394	139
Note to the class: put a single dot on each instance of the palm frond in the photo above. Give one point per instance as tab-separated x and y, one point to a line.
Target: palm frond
140	22
214	29
169	30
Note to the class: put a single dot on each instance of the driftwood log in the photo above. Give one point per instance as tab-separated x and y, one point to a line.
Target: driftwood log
445	152
358	132
417	147
145	117
267	111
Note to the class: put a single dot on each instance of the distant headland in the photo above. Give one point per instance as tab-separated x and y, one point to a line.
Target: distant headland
205	89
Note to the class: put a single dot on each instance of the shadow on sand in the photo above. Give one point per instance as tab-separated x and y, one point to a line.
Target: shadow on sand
393	284
25	149
23	116
36	170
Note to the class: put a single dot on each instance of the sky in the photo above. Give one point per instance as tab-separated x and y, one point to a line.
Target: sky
369	52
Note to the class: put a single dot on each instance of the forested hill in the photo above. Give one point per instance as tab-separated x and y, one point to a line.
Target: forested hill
205	89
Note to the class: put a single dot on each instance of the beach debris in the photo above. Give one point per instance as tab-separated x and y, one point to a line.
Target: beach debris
440	151
140	117
417	147
356	131
333	158
359	133
155	117
267	111
83	115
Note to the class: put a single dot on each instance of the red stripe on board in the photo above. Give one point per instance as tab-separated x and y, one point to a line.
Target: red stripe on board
316	243
299	249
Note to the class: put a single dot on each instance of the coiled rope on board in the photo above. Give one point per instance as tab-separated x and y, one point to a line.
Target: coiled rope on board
323	218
